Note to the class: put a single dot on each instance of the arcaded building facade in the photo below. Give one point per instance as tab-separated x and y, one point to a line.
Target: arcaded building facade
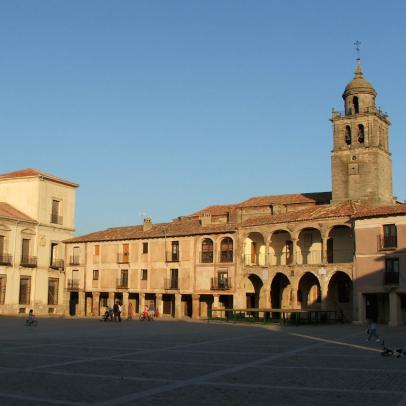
297	251
37	213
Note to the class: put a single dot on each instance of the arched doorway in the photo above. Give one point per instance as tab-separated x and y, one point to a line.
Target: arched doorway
340	245
280	248
253	286
309	292
254	250
280	291
309	247
339	294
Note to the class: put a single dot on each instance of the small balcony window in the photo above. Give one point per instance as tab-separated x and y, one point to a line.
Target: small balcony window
391	271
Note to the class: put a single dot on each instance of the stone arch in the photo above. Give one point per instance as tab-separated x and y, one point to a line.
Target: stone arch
309	291
253	290
280	248
340	244
309	246
340	294
254	249
280	291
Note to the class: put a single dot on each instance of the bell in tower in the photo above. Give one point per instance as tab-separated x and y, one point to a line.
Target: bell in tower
360	161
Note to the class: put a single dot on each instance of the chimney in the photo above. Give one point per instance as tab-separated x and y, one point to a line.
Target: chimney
147	224
205	219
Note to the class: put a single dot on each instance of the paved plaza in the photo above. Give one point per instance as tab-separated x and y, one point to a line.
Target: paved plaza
87	362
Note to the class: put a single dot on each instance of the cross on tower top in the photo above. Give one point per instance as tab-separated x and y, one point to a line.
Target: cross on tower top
357	44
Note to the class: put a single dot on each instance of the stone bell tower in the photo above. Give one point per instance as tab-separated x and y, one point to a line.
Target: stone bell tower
361	163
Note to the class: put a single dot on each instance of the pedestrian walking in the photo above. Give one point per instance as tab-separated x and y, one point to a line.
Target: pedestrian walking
130	311
120	310
372	331
115	311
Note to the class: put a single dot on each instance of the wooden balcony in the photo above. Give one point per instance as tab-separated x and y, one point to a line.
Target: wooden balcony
171	284
220	283
58	264
28	261
72	284
6	259
123	258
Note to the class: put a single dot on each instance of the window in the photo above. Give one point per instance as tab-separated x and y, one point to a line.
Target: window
1	246
222	280
145	248
53	284
207	251
226	250
25	250
175	251
124	278
55	213
391	271
390	239
174	279
348	135
355	102
3	283
361	134
95	274
25	290
144	274
54	246
97	250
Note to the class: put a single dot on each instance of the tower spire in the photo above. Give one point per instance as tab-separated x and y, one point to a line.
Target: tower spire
358	68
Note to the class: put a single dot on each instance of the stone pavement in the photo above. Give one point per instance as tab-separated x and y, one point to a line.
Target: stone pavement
87	362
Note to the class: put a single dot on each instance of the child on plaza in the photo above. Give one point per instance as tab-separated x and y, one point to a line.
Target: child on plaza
372	331
30	318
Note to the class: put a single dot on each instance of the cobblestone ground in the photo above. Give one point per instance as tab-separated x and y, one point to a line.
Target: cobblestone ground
87	362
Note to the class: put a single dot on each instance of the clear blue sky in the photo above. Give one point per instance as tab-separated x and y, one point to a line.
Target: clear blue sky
165	107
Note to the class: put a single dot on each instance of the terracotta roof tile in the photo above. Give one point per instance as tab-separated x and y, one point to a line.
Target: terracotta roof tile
32	172
397	209
215	210
344	209
317	198
8	211
175	229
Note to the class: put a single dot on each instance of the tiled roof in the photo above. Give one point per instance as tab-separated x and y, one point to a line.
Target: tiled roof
31	172
215	210
317	198
398	209
344	209
11	212
174	229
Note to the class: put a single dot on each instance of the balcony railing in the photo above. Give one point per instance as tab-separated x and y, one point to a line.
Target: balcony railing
57	264
304	257
172	256
206	257
391	278
255	259
28	262
171	284
72	284
55	219
123	258
387	242
364	110
74	260
6	259
226	256
122	283
220	283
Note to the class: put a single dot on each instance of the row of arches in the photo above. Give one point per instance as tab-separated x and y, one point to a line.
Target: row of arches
309	247
304	293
